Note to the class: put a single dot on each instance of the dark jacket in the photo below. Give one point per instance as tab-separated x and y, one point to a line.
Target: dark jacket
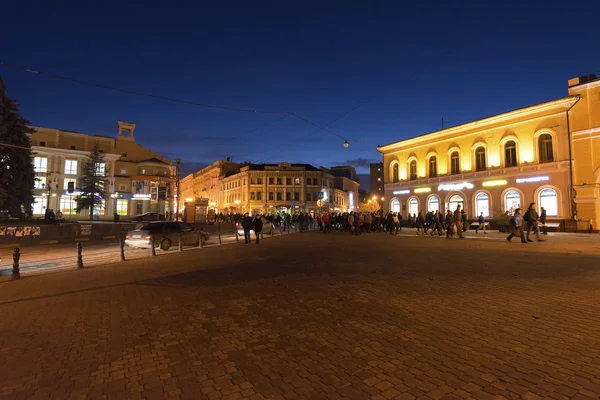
257	224
247	223
481	219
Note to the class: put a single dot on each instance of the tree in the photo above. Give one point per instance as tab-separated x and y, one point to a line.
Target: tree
370	206
91	182
16	160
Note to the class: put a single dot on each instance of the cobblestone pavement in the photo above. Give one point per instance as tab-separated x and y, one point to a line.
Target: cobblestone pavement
313	316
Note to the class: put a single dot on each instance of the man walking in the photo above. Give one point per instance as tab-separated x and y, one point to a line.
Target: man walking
517	226
458	222
481	224
247	226
257	225
532	218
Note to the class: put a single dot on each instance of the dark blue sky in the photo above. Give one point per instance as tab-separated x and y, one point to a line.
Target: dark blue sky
319	59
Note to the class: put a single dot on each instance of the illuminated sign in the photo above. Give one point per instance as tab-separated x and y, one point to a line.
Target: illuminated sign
405	191
142	196
422	190
498	182
533	179
455	186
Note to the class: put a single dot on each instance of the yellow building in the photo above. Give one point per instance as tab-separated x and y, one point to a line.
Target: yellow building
497	164
138	179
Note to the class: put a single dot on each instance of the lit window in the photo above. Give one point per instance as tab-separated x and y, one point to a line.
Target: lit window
296	181
122	207
433	204
545	147
480	164
40	164
39	204
100	208
510	154
40	182
413	170
395	205
413	206
549	201
71	167
512	201
482	205
455	163
67	205
395	174
66	184
456	201
432	167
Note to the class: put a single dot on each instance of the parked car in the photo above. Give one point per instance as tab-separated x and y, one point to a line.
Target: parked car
165	234
149	216
268	227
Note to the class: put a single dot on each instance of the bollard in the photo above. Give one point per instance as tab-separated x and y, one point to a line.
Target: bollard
16	273
79	255
219	233
180	241
122	244
152	245
199	240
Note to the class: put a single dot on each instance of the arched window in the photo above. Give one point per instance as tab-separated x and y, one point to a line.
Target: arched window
480	159
512	201
510	154
433	204
395	205
413	170
456	201
432	166
482	205
455	163
545	148
395	173
413	206
549	201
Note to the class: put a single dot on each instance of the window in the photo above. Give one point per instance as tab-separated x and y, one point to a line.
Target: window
296	181
123	172
100	208
40	182
67	205
42	143
252	196
154	171
456	201
308	196
271	196
510	154
39	204
71	167
413	206
549	201
315	181
73	147
288	181
546	151
433	204
259	181
455	163
432	167
252	181
480	159
482	205
395	205
308	181
288	196
278	196
279	181
271	181
413	170
258	195
512	201
40	164
122	207
66	183
296	196
395	174
143	172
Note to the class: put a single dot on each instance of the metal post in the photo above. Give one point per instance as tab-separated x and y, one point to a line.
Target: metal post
122	244
180	241
79	255
153	245
16	273
200	239
219	232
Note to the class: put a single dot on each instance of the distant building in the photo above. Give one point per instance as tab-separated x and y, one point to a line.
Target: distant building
347	171
376	178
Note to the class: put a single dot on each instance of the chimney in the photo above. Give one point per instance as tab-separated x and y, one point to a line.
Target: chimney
582	79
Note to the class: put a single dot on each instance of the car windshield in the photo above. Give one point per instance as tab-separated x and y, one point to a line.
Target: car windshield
151	227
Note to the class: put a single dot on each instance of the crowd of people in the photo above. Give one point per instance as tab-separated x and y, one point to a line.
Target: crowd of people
529	220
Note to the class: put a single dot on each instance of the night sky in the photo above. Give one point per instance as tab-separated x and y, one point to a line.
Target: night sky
406	66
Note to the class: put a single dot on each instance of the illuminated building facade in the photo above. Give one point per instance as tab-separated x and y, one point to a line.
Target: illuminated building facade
497	164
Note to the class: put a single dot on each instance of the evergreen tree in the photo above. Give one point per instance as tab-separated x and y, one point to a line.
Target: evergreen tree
16	163
91	182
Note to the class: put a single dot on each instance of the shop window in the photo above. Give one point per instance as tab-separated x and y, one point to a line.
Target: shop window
510	154
433	204
413	206
480	159
455	163
549	201
395	205
512	201
432	167
100	208
39	204
413	170
545	148
456	201
482	205
395	173
67	205
123	207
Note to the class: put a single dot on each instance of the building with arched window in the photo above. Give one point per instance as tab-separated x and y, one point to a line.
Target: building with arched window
547	153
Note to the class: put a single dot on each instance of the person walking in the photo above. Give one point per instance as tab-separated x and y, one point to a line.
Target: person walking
463	216
420	223
517	226
449	224
458	222
481	224
390	222
257	225
543	221
247	226
532	218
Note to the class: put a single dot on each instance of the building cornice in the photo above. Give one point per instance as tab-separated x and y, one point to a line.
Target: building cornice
548	108
71	153
585	86
586	133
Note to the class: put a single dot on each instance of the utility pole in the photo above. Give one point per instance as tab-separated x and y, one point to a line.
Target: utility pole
178	176
442	122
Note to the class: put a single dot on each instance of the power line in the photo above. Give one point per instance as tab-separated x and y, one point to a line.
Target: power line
15	146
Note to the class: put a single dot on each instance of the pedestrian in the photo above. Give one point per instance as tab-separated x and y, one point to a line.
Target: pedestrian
543	221
532	217
257	225
463	216
390	222
517	226
247	227
396	222
449	224
458	222
481	224
420	223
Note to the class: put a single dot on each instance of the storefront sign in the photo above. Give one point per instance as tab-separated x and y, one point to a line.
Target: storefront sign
422	190
85	230
142	196
455	186
405	191
533	179
498	182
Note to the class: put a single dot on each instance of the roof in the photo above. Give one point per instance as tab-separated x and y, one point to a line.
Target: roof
154	160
